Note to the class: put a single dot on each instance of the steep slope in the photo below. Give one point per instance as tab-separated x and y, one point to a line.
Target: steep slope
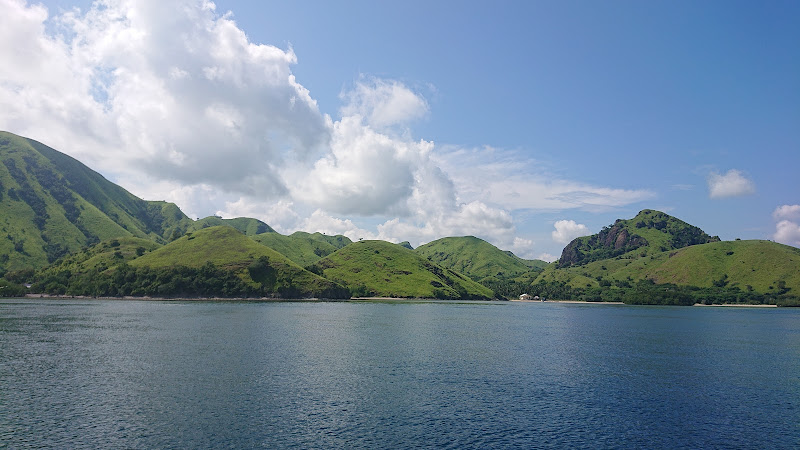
301	247
246	225
52	205
648	233
475	258
383	269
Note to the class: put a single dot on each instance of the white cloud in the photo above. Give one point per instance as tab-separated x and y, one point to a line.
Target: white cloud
322	222
383	103
567	230
505	179
732	184
787	232
787	228
547	257
170	88
366	172
787	212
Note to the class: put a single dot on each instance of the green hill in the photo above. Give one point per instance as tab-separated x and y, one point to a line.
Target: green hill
52	205
476	258
229	249
383	269
246	225
712	272
761	266
103	256
212	262
648	233
301	247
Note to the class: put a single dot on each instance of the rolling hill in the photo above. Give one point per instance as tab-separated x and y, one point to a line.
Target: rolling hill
103	256
476	258
228	248
301	247
246	225
383	269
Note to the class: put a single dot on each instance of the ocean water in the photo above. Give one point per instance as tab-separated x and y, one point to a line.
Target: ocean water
139	374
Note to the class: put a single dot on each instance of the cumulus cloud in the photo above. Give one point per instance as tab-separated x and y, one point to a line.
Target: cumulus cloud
366	172
567	230
731	184
787	212
170	88
787	228
383	103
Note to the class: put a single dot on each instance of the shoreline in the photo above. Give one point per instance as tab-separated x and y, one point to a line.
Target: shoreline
568	301
738	305
352	299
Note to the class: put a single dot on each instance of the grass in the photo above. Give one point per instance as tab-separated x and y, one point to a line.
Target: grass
759	264
105	255
383	269
476	258
302	248
52	205
230	249
246	225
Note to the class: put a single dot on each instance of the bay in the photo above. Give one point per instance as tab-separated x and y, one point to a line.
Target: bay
152	374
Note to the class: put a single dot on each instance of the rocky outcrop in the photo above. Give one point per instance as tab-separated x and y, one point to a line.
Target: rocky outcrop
610	242
666	233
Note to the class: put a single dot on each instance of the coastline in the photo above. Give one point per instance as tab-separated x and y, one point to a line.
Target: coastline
352	299
567	301
738	305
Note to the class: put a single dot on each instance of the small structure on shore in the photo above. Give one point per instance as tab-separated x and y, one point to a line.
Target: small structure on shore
525	297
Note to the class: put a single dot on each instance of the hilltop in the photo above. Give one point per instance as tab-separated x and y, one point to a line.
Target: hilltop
476	258
301	247
670	262
648	233
383	269
246	225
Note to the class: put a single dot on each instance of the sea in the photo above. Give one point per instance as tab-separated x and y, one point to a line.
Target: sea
396	374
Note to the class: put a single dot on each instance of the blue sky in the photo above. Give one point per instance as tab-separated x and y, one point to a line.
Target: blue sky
525	123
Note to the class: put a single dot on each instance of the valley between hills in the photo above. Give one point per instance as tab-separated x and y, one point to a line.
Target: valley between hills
66	230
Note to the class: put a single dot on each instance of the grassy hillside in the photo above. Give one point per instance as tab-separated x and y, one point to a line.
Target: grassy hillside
246	225
227	248
475	258
301	247
52	205
103	256
648	233
760	266
378	268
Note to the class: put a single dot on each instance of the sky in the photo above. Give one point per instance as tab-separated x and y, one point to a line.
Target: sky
525	123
